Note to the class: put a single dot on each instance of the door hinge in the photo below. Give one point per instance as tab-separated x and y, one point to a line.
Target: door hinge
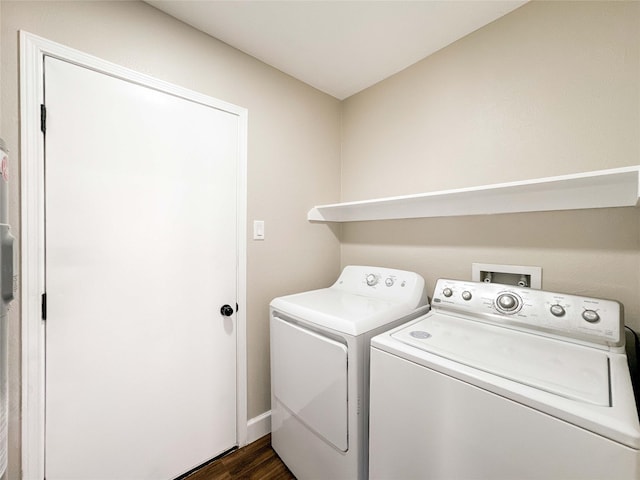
44	306
43	118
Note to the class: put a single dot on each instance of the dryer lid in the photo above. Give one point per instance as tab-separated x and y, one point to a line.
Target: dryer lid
572	371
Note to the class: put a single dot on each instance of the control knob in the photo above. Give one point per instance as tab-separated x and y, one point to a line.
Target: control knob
389	282
507	302
371	279
447	292
557	310
591	316
466	295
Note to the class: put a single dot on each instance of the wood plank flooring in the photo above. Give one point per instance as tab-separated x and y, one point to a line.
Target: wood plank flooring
256	461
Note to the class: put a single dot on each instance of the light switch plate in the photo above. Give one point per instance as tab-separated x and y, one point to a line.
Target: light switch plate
258	229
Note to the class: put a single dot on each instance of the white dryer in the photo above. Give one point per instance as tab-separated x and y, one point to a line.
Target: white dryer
502	382
320	367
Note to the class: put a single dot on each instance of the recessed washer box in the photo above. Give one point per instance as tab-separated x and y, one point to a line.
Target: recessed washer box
517	275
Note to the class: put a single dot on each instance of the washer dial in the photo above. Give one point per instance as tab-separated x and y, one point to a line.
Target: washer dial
557	310
508	302
371	279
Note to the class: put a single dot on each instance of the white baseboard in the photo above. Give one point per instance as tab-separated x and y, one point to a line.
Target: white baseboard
258	427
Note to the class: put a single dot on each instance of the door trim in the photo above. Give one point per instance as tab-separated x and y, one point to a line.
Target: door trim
33	49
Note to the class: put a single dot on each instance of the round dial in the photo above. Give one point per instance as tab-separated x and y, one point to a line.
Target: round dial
371	279
557	310
389	282
591	316
466	295
447	292
508	303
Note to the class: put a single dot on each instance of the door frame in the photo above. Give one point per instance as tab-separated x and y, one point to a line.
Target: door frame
33	49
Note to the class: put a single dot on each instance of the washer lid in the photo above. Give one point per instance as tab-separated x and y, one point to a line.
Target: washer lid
572	371
342	311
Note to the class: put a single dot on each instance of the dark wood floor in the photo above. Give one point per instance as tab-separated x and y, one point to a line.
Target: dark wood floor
256	461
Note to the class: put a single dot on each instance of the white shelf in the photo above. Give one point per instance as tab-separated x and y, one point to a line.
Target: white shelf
617	187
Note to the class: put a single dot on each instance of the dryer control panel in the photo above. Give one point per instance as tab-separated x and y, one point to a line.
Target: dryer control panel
384	283
569	317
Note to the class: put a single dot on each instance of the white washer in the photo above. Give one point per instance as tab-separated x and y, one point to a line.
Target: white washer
320	367
501	382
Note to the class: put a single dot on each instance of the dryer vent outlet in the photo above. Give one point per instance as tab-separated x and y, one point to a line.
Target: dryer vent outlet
520	276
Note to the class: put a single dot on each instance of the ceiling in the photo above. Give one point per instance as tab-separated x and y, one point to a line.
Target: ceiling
338	47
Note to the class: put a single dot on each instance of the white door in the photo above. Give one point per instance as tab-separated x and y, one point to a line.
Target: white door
141	253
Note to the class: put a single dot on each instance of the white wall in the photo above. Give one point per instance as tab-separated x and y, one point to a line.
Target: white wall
293	151
549	89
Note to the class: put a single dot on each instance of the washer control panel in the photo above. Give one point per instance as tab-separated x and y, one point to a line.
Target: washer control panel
562	315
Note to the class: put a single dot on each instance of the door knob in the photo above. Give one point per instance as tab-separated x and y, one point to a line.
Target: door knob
226	310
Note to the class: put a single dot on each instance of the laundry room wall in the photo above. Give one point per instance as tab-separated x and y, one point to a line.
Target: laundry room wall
552	88
293	151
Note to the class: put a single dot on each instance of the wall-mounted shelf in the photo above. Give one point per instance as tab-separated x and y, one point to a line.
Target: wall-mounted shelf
617	187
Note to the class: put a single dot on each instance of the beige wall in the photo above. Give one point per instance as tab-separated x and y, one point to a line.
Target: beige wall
552	88
293	151
549	89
